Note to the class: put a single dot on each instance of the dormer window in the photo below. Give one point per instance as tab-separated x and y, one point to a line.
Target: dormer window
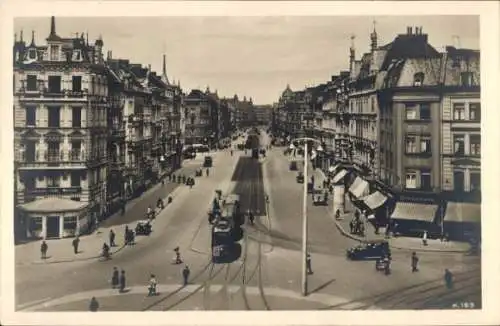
418	79
77	55
32	54
466	79
54	53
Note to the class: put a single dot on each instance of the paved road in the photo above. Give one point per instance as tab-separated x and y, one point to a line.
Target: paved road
267	274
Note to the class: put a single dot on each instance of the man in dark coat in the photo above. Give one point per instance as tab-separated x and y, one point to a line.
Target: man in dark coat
127	234
185	274
448	279
414	262
122	281
308	264
115	279
76	242
43	248
112	238
94	305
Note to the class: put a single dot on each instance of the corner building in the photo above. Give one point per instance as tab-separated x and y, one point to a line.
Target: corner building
60	135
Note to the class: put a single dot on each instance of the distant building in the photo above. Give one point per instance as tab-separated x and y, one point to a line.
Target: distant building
263	114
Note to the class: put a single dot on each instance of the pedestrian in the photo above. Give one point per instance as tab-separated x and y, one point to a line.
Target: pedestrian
337	215
152	286
208	171
178	259
43	248
308	264
94	305
312	180
112	238
122	281
448	279
424	238
387	265
149	212
76	242
127	235
185	274
414	262
351	226
115	279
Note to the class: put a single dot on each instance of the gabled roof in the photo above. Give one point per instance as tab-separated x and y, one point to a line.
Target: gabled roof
408	46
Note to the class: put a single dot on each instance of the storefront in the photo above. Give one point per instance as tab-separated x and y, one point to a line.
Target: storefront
53	217
412	219
462	221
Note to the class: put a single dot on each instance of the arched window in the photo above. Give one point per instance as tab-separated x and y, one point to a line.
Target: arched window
418	79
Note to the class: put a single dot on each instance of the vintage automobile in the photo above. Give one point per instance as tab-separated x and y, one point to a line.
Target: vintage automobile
293	166
143	228
320	200
207	162
369	251
300	177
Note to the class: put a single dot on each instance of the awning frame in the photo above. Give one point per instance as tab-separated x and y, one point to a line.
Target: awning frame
358	187
409	207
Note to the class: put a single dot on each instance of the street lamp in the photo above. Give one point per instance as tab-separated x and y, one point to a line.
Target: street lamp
304	209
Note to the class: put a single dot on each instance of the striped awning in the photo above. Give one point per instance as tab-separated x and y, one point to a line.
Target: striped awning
374	200
339	176
415	211
463	212
359	187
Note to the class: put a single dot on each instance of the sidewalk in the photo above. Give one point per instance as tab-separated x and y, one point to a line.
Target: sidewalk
90	247
405	243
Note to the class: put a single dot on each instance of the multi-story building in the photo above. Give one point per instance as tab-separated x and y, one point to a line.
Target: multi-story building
263	114
199	116
60	135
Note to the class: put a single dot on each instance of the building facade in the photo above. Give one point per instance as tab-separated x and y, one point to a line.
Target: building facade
60	135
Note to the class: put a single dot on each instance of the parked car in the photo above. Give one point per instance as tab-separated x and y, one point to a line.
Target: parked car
207	162
300	177
293	166
143	228
371	250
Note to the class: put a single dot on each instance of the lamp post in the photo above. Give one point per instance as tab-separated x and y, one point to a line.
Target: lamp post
304	209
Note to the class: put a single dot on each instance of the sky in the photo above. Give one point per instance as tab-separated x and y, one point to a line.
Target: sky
250	56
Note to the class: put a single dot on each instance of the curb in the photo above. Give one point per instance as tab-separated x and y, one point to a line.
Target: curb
363	240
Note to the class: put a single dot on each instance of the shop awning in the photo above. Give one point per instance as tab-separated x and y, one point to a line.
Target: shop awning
53	205
339	176
358	187
415	211
463	212
374	200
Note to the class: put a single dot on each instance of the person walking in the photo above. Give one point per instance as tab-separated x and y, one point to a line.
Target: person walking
308	264
414	262
115	279
127	235
448	279
94	305
185	274
43	249
122	281
76	243
112	236
208	172
424	238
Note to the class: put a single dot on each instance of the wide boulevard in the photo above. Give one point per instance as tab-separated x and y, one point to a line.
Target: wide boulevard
267	274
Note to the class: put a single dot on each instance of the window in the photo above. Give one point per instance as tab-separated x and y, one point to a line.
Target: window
30	151
76	117
76	147
466	79
31	83
53	180
458	181
32	54
411	144
36	223
54	53
411	112
411	180
77	83
31	116
418	79
54	117
425	111
425	180
54	84
77	55
475	144
458	144
458	111
475	111
425	144
70	222
53	151
475	181
373	104
75	179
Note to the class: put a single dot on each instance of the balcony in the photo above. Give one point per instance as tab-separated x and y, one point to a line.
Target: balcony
54	189
42	92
